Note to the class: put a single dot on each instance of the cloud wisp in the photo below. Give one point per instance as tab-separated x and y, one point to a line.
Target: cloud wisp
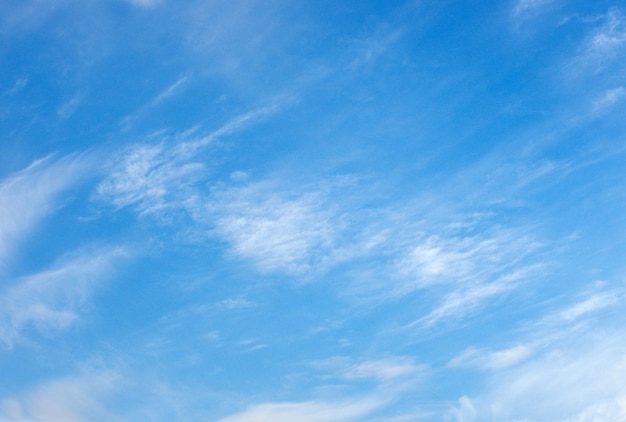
160	179
53	300
77	398
566	365
603	46
310	411
30	195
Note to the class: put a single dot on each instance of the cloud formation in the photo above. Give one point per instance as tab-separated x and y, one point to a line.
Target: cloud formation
30	195
53	300
311	411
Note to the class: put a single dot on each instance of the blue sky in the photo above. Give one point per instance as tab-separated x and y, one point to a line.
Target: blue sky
253	210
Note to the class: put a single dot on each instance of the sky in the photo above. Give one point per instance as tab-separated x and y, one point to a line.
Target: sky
312	211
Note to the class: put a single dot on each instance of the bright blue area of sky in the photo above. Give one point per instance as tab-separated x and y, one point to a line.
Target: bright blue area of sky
318	211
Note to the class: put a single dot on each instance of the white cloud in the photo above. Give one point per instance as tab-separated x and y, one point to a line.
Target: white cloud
277	230
153	179
167	93
31	194
462	301
65	110
578	380
162	179
100	392
609	99
475	269
371	49
28	14
19	84
237	36
145	3
70	399
52	300
587	304
235	303
604	45
492	359
449	258
527	7
311	411
592	304
382	369
569	367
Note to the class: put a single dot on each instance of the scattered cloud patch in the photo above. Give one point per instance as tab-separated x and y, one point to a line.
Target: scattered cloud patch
78	398
53	300
19	84
525	8
155	180
475	269
604	45
311	411
163	96
286	231
380	370
609	99
579	380
499	359
145	3
167	177
28	196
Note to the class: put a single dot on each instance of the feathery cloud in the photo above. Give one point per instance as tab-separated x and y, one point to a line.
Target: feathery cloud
311	411
579	380
78	398
31	194
52	300
604	45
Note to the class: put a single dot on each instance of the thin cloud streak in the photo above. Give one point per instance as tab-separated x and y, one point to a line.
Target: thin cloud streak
312	411
53	300
163	96
579	380
159	179
603	46
28	196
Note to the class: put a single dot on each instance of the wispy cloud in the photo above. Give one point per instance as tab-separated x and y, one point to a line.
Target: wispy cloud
311	411
161	178
604	45
53	300
161	97
524	8
388	380
381	370
579	380
65	110
153	179
468	299
445	257
609	99
284	231
144	3
587	304
469	270
78	398
492	359
27	14
31	194
568	365
371	49
19	84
